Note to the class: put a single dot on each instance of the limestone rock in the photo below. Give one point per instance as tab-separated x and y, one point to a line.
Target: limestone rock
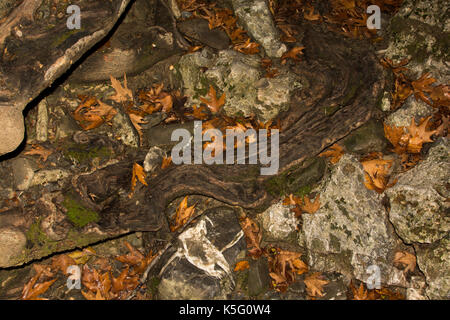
279	221
419	209
257	20
201	266
350	232
12	242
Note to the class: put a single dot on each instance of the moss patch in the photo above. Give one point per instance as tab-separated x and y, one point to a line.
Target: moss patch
77	214
83	154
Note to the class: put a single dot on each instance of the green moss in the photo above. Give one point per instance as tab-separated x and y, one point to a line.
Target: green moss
77	214
63	37
298	180
83	154
152	285
35	235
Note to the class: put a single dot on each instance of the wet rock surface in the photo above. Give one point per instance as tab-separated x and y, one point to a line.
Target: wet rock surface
201	265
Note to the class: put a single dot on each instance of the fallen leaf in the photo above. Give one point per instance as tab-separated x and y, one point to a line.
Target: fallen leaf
376	173
314	284
183	214
310	207
40	151
122	93
214	104
293	54
253	236
247	47
334	152
138	173
62	262
242	265
406	259
32	291
419	135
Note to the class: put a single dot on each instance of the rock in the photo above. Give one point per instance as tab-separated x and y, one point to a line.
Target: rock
123	129
258	277
201	265
240	77
420	32
256	17
198	29
410	109
419	206
367	138
23	173
42	122
434	261
12	243
416	291
43	177
350	231
13	129
154	158
279	221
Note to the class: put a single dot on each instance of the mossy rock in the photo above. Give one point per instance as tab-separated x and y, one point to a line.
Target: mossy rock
298	180
78	214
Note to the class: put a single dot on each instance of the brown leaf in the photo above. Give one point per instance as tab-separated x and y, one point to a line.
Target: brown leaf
137	120
253	236
247	47
138	173
242	265
376	173
214	104
92	113
419	135
310	207
62	262
166	162
183	214
406	259
314	284
32	291
40	151
292	54
335	152
122	93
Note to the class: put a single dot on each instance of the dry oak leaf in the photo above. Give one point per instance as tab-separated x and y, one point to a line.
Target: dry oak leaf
292	200
214	104
247	47
376	173
136	259
182	215
360	293
242	265
198	112
335	153
397	137
32	291
122	93
40	151
314	285
406	259
419	135
138	173
137	120
310	207
292	54
422	86
62	262
253	236
166	162
92	113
